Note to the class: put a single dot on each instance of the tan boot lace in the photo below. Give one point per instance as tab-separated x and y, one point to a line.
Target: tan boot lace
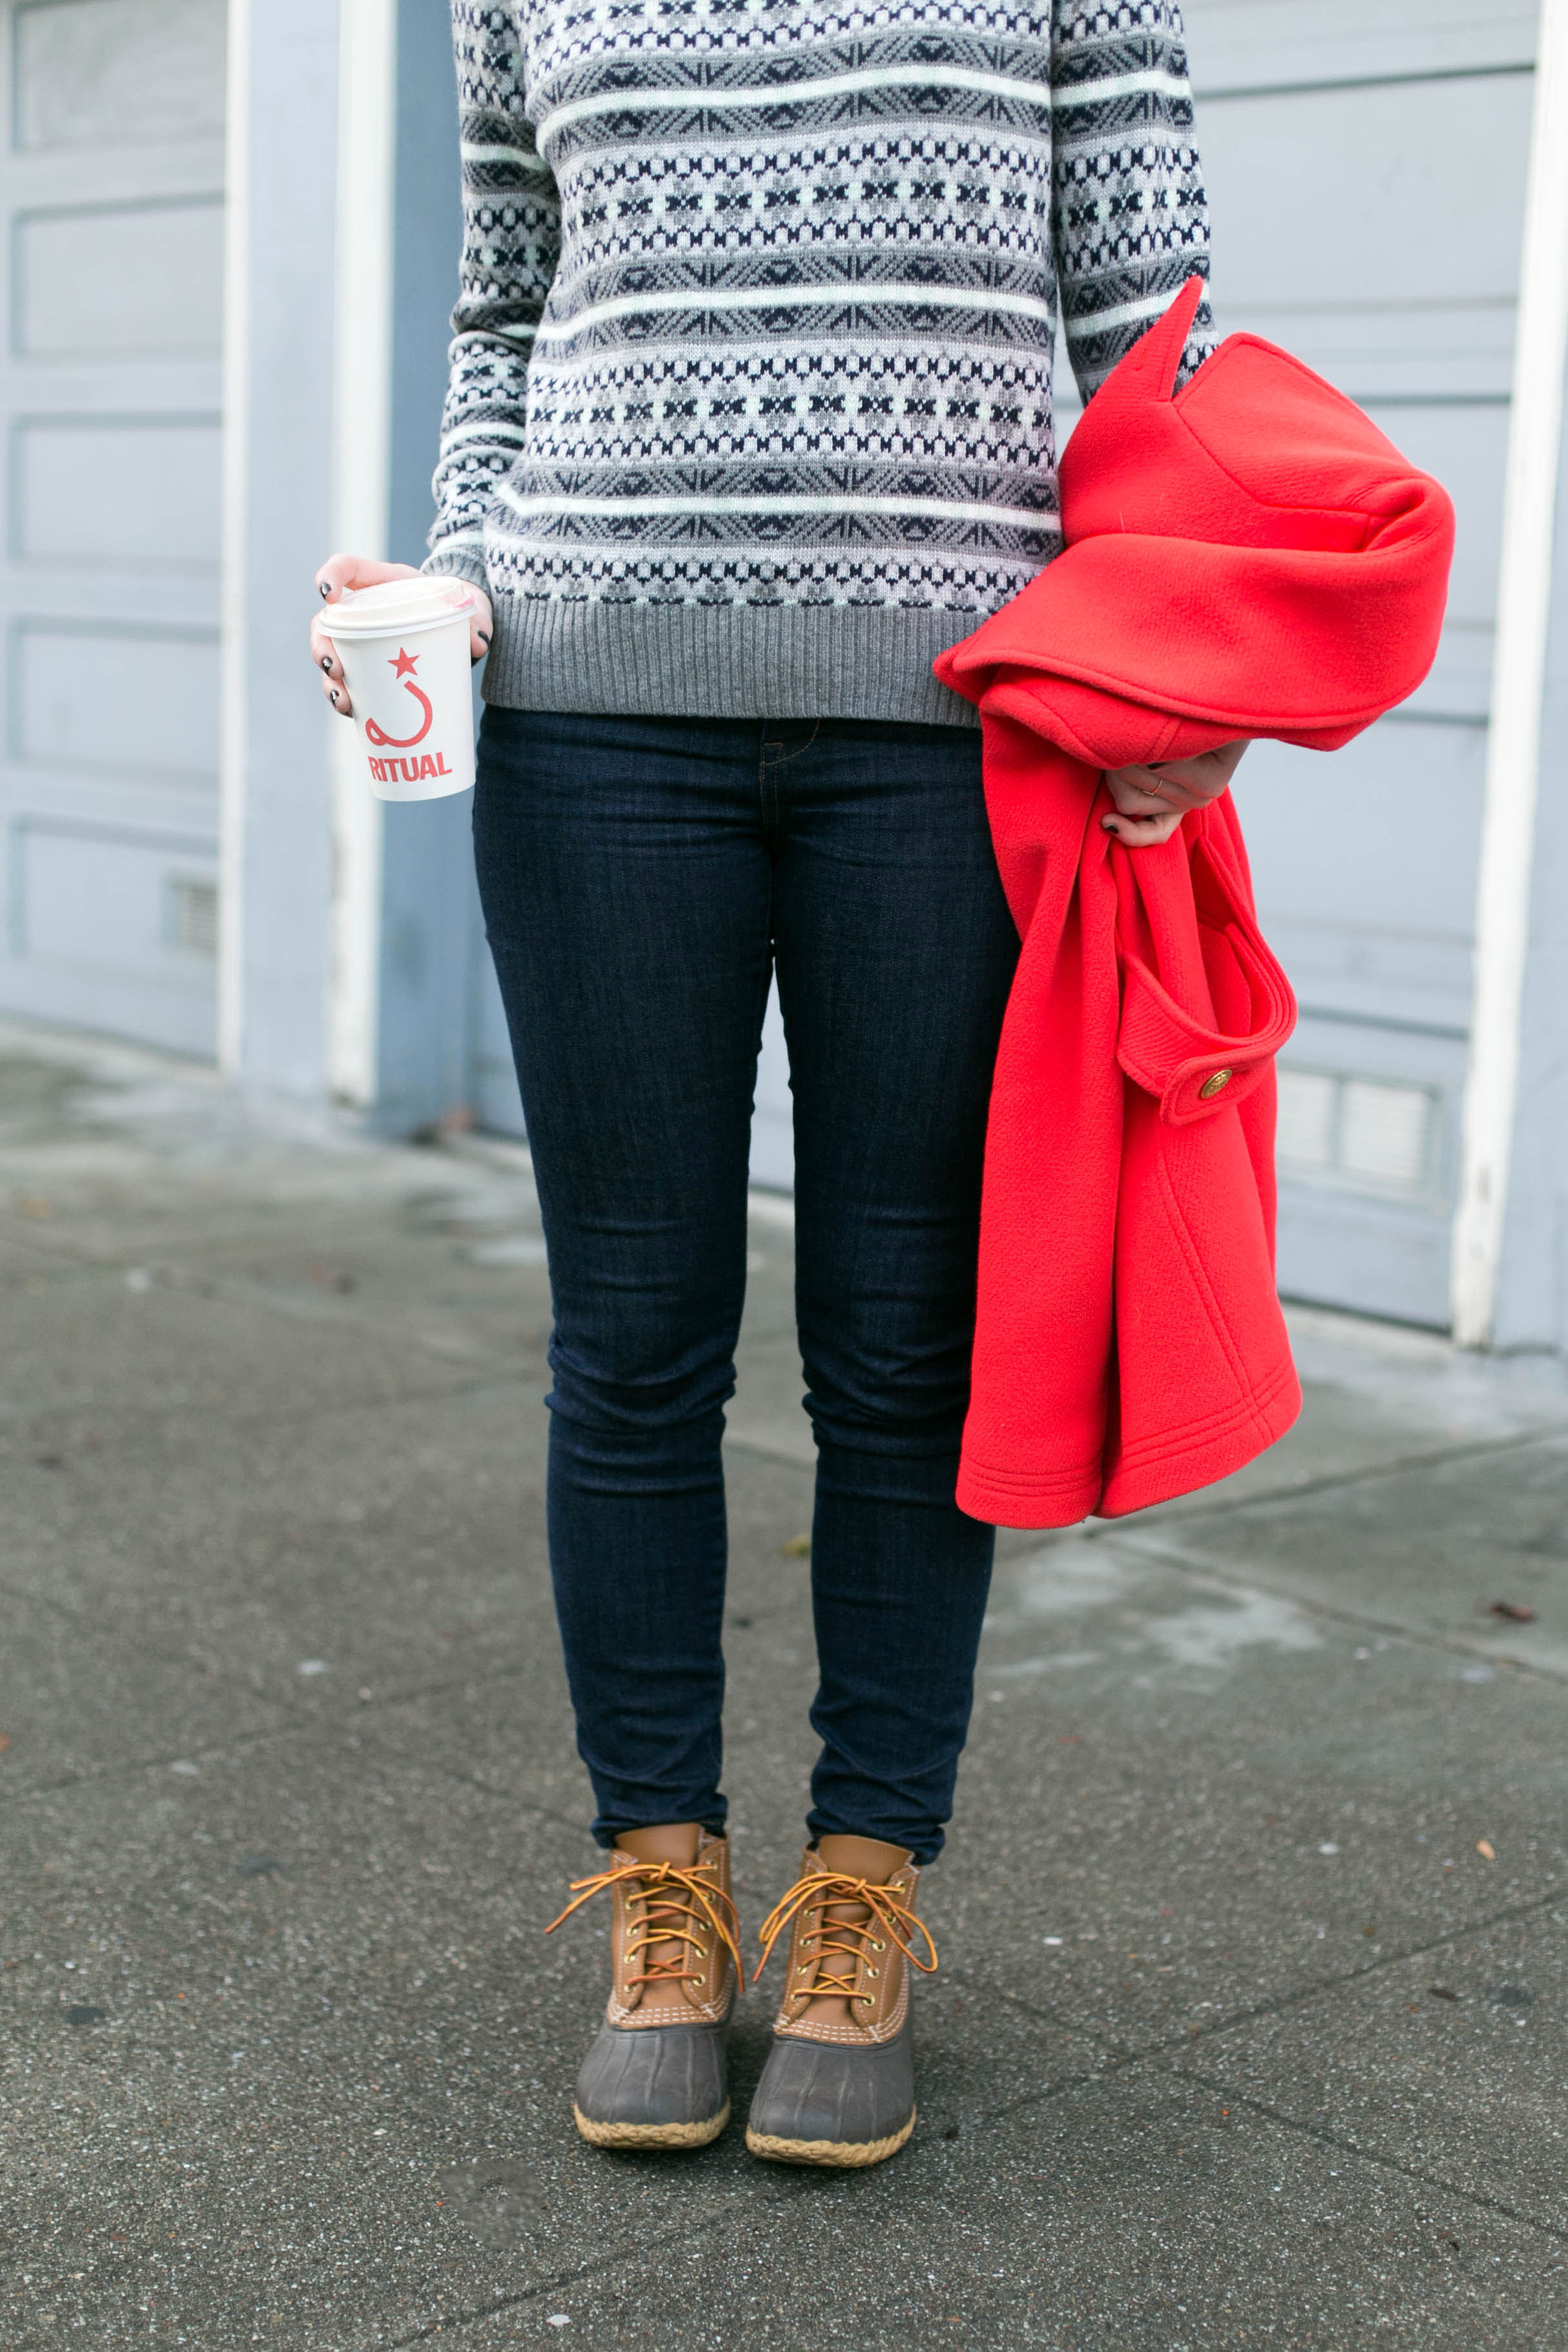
679	1905
888	1921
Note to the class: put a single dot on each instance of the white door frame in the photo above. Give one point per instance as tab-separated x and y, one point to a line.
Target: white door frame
362	445
276	860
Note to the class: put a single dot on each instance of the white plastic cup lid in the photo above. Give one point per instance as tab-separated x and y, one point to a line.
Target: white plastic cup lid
420	603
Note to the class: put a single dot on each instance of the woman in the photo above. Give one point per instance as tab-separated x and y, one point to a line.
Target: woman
749	419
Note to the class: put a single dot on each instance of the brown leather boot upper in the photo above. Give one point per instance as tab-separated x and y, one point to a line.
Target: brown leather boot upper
673	1936
853	1937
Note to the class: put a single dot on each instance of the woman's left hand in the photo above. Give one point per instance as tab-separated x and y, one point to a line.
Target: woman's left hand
1152	801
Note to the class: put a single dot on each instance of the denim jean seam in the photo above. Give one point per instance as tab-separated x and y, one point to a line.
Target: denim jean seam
768	757
801	748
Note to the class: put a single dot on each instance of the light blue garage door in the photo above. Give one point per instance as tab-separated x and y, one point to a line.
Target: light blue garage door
112	115
1365	162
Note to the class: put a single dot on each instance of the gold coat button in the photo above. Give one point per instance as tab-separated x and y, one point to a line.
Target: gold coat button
1214	1085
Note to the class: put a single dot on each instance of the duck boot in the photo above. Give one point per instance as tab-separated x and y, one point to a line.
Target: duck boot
657	2073
839	2088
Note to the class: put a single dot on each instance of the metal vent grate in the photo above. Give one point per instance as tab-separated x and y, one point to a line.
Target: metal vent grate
190	916
1365	1135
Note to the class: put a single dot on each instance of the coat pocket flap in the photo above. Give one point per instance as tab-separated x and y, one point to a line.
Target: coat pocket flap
1192	1067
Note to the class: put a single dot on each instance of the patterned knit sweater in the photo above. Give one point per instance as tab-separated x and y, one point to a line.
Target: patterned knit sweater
750	410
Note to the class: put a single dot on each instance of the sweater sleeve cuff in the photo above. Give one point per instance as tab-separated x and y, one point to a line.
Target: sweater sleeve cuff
462	560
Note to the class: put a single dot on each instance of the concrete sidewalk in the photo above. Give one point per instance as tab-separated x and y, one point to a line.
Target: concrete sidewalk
1250	2026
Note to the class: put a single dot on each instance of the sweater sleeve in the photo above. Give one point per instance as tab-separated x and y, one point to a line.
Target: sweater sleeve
511	241
1130	213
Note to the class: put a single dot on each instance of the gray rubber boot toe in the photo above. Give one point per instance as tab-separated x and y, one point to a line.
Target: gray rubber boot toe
654	2086
833	2104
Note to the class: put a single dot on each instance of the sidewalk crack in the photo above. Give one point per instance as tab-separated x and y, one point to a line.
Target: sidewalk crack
1351	2148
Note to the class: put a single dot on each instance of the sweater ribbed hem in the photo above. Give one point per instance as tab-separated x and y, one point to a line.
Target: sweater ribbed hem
726	661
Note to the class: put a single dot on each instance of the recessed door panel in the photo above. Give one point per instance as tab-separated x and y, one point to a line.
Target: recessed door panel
1393	194
120	281
1332	836
138	494
91	73
1250	45
152	711
116	902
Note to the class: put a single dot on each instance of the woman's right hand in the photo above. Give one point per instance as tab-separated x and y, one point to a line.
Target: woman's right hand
340	571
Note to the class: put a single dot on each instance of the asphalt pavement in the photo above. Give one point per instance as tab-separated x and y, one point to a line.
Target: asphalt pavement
1250	2023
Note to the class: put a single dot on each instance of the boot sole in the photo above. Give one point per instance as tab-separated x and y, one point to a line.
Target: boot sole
697	2134
841	2155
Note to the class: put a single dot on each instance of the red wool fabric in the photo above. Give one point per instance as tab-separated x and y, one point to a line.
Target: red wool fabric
1248	556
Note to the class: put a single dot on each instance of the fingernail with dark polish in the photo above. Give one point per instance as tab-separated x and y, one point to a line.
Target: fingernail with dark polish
325	586
334	695
327	663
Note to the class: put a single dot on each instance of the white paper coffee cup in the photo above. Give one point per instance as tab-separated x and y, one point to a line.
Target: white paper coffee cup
404	651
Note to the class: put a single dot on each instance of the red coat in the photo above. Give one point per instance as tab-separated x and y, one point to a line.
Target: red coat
1247	557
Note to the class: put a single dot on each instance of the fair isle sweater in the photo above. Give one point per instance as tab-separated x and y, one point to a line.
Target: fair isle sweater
750	410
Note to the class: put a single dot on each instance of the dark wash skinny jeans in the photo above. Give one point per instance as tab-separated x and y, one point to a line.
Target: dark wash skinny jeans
640	878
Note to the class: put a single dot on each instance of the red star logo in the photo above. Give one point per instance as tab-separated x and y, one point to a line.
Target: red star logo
405	665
